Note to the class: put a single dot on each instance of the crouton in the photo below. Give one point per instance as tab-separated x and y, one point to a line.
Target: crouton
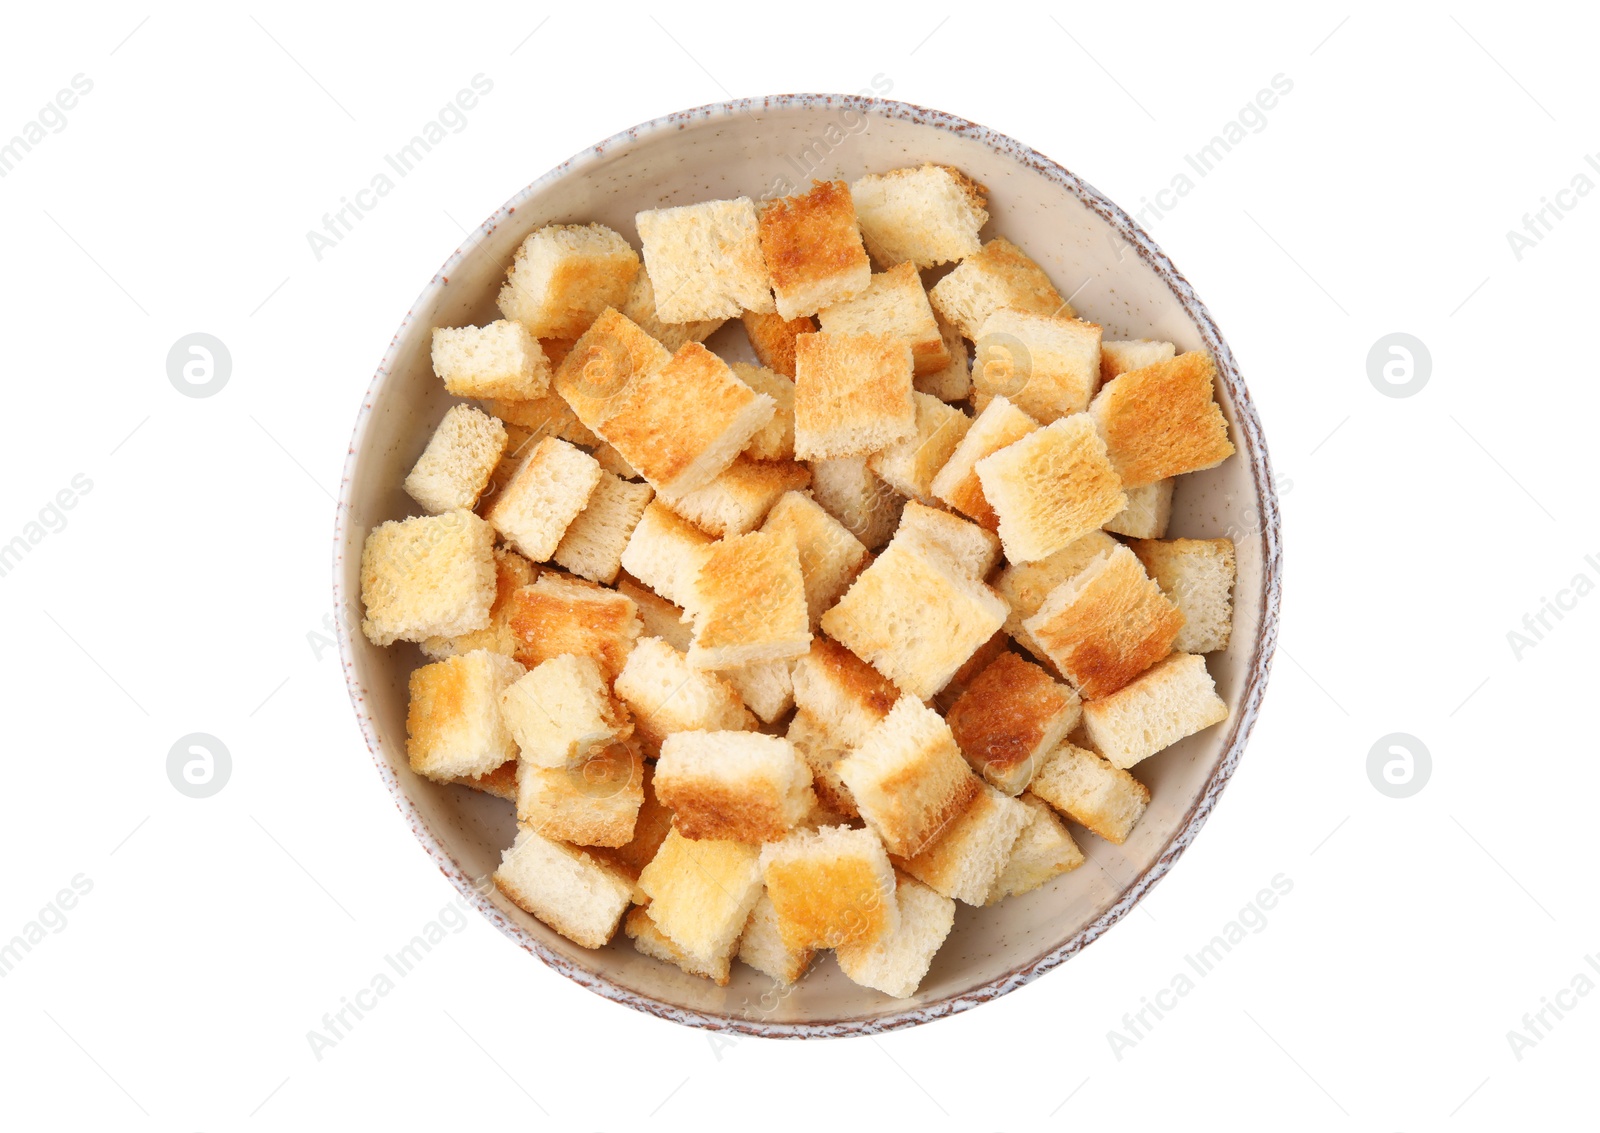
813	249
852	395
665	696
559	615
1197	576
893	303
453	723
767	689
498	360
1053	486
1091	792
511	570
733	786
844	695
998	275
830	887
952	382
547	416
748	602
738	500
908	778
549	490
640	307
1042	851
822	752
896	964
1148	512
701	893
501	782
852	493
775	440
762	946
564	275
428	576
830	556
579	896
593	543
1106	625
650	827
1047	366
597	373
998	425
1025	586
664	552
705	259
964	862
1174	699
772	337
657	616
1163	420
1011	716
973	549
909	466
594	802
915	616
928	214
1117	358
561	712
648	938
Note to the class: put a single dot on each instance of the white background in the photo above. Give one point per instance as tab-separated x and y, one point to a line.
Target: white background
187	589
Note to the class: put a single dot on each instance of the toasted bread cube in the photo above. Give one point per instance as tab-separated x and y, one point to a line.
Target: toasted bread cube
1106	625
593	543
498	360
706	259
1048	366
830	887
1168	702
657	616
511	570
1009	719
999	424
927	215
1163	420
822	752
897	964
453	724
501	782
998	275
908	778
973	549
813	249
1117	358
1053	486
1025	586
665	696
915	616
648	938
1091	792
964	862
909	466
1197	576
564	275
852	395
830	556
772	337
844	695
640	308
544	496
893	303
567	615
428	576
738	500
664	552
748	602
1148	512
852	493
561	712
953	381
594	802
733	786
987	654
767	689
650	827
775	440
547	416
762	946
580	896
598	373
701	893
1042	851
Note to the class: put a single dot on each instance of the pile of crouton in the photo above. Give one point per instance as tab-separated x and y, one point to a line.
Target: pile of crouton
780	657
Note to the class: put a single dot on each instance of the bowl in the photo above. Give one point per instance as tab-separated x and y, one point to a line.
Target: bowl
762	148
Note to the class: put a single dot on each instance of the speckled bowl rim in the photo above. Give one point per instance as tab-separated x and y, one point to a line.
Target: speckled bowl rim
1253	448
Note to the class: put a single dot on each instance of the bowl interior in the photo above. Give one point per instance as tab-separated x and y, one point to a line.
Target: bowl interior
766	148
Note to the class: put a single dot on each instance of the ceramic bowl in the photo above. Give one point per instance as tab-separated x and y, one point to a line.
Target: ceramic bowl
1117	277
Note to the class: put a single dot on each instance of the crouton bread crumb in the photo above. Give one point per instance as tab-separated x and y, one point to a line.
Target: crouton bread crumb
783	658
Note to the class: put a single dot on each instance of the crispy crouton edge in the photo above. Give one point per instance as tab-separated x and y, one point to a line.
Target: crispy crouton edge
359	657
